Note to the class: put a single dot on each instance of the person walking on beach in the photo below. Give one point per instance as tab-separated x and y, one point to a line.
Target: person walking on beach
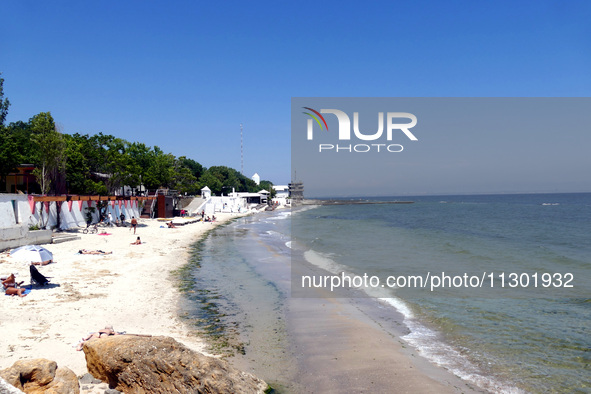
133	224
110	218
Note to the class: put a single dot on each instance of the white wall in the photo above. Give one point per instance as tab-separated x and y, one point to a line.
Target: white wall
227	204
15	219
69	218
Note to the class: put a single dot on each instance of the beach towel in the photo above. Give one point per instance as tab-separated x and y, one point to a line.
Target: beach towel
37	276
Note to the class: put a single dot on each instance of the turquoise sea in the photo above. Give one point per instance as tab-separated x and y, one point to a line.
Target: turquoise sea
514	318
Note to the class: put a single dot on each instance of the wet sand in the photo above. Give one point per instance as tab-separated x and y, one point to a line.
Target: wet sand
321	344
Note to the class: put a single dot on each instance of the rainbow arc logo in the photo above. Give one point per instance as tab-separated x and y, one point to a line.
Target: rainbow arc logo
316	118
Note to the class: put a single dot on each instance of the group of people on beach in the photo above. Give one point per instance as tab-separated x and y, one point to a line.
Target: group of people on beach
108	220
12	287
207	218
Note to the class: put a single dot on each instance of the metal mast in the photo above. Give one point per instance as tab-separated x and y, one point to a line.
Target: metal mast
241	152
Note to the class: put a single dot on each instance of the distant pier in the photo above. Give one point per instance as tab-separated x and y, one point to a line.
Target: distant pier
349	202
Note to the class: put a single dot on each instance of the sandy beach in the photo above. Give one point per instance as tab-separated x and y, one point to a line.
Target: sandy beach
131	289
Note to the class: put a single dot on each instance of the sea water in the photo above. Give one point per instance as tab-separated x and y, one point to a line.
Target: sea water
501	338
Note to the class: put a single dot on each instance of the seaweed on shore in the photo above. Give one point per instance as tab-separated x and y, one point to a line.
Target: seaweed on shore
222	334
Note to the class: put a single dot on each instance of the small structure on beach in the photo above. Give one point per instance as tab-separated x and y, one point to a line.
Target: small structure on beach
205	192
264	195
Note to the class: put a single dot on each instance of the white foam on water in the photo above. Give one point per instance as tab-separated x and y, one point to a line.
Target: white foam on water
281	216
323	261
427	342
422	338
399	305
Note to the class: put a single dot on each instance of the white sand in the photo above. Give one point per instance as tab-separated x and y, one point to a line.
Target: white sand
132	289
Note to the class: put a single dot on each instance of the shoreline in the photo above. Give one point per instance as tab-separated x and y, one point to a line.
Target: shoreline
132	289
296	344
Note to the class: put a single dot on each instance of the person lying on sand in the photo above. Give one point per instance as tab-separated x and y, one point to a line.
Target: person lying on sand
10	281
85	251
138	241
12	291
42	263
105	332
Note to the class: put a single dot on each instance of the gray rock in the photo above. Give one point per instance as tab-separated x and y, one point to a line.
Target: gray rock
86	378
7	388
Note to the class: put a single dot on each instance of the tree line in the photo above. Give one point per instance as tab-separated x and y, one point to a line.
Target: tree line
102	164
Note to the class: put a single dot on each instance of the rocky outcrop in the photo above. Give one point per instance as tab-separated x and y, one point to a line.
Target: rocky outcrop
41	376
134	364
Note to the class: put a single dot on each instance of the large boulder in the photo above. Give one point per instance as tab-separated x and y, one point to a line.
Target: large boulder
134	364
41	376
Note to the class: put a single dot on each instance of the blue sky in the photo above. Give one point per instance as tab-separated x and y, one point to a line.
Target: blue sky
183	75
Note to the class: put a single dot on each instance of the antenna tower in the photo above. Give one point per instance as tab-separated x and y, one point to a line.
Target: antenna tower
241	152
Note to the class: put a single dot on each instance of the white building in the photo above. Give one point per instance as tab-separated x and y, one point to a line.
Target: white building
256	178
282	191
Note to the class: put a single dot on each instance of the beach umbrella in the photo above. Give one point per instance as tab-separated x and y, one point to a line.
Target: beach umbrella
32	253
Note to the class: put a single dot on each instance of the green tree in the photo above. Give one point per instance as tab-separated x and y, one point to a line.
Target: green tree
268	186
50	155
4	103
160	171
211	181
9	155
196	169
183	179
139	162
226	179
109	161
78	171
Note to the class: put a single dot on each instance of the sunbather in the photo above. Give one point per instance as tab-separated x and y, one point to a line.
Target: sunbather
138	241
42	263
105	332
85	251
10	281
12	291
170	225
